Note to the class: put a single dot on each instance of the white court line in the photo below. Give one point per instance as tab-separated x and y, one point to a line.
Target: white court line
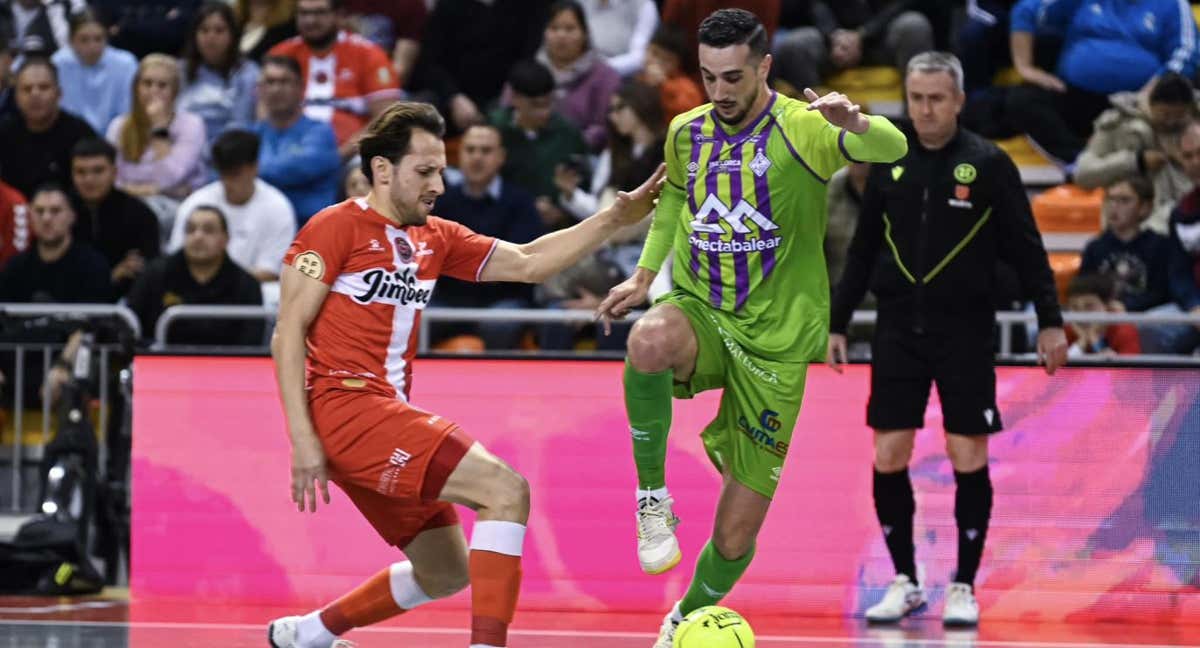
62	607
965	639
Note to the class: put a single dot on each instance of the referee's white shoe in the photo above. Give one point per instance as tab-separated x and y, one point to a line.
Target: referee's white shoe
901	599
962	610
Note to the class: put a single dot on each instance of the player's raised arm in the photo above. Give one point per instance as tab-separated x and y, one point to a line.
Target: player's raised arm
301	297
546	256
861	138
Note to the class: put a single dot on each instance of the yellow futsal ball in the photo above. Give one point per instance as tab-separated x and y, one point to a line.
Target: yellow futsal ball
714	627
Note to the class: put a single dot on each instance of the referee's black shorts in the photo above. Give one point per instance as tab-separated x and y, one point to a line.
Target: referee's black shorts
905	363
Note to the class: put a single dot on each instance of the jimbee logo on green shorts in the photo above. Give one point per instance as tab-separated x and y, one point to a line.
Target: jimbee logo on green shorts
965	173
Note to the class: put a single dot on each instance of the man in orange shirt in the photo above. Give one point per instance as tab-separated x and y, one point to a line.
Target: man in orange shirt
15	236
349	80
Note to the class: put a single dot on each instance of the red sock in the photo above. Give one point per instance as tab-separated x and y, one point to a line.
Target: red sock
368	603
495	566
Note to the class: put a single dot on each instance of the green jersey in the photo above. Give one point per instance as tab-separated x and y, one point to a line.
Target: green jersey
746	215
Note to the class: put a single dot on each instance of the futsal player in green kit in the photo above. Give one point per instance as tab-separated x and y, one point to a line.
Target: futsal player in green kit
744	211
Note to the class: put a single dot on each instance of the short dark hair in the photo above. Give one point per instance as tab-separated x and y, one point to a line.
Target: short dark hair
94	147
1173	88
489	127
288	62
51	186
530	78
390	134
1099	285
233	150
1140	185
729	27
37	61
214	209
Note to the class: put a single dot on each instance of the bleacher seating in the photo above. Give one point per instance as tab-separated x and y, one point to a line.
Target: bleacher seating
1068	209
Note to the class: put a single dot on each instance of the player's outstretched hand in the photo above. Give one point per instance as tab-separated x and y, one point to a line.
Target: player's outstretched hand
621	299
837	109
632	206
1052	349
835	356
308	474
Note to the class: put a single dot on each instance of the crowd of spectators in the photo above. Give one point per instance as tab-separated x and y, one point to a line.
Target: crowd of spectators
161	152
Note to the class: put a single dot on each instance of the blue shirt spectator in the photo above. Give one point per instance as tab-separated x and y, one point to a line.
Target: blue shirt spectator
95	78
222	103
1114	45
219	86
297	155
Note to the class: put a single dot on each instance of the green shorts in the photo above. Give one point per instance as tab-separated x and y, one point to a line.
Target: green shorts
753	428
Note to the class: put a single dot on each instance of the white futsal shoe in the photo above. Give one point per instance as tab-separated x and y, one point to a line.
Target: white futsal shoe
901	599
666	633
658	549
962	610
282	633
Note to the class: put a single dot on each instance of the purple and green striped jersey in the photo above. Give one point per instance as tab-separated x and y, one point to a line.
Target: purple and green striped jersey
751	227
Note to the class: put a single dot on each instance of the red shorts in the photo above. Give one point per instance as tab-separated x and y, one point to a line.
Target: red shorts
390	458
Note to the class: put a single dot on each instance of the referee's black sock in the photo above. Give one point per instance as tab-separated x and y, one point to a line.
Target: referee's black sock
894	506
972	511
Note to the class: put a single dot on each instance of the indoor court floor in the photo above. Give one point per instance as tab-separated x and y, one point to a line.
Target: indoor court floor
113	623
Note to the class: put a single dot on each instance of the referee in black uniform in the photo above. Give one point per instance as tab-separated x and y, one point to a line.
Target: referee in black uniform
929	235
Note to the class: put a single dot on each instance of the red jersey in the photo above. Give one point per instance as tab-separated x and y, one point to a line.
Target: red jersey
339	84
381	277
15	235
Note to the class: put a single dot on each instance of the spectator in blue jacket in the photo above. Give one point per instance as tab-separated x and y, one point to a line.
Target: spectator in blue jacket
1108	46
220	86
94	76
298	155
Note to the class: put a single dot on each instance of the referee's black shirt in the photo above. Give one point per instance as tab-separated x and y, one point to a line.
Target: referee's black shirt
932	227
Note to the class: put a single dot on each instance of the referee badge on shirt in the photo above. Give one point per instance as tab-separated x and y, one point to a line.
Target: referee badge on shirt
965	173
962	192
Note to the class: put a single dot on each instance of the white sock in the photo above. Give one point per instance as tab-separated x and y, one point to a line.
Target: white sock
499	537
311	633
676	615
406	591
659	494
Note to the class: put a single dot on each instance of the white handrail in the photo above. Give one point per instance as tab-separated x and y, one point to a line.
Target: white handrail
207	311
551	316
34	310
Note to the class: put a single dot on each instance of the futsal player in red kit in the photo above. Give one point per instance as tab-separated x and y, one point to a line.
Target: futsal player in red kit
353	286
